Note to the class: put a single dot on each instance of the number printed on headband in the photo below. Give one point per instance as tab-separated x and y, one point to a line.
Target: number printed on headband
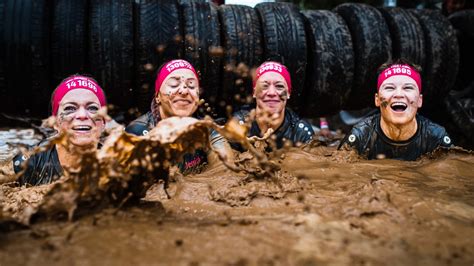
81	83
271	66
397	70
171	66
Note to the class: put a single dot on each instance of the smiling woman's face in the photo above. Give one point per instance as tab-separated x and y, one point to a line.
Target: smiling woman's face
271	93
398	99
77	116
179	94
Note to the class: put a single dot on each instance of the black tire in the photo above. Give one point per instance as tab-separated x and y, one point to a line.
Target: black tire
68	45
284	41
211	94
406	32
242	43
26	52
331	63
372	47
111	49
442	58
463	22
3	89
158	40
200	36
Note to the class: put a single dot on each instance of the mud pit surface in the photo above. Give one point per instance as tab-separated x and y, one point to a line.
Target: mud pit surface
326	207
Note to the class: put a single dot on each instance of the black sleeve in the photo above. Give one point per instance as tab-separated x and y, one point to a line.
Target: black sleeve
19	162
304	132
27	165
438	137
354	140
137	128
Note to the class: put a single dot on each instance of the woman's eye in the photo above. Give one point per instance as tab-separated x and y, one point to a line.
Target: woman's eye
70	108
408	88
93	108
389	88
173	83
191	83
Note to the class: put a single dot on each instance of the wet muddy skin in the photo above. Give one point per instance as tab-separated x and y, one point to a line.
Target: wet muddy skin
329	208
320	206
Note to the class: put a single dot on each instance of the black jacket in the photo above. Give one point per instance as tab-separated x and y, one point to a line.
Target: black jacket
293	128
369	140
191	163
41	168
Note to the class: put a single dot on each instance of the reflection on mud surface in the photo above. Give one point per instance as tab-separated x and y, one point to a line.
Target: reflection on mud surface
321	207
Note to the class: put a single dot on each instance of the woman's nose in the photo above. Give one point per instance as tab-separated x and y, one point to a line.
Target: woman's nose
272	90
398	92
183	89
82	113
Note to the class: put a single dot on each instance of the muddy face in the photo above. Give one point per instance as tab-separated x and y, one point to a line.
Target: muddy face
398	100
77	115
179	94
271	93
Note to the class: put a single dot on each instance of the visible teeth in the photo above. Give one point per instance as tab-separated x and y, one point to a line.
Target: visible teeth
399	104
82	128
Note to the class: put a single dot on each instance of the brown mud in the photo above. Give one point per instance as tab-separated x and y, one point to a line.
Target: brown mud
317	206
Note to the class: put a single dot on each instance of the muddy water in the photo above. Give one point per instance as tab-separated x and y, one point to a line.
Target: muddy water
322	207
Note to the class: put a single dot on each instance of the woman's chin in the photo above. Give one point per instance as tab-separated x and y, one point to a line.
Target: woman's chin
183	112
83	141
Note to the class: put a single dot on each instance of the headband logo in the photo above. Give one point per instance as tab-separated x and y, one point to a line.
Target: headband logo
270	66
81	83
397	69
177	64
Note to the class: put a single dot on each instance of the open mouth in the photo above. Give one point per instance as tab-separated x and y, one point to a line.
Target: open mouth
182	101
271	101
398	106
82	128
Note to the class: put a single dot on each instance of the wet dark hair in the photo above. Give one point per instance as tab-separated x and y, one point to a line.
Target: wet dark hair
398	61
87	75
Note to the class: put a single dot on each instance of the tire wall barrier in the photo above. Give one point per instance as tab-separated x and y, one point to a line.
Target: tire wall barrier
332	55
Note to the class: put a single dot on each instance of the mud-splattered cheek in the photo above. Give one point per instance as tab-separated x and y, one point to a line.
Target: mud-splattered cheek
383	102
283	95
64	118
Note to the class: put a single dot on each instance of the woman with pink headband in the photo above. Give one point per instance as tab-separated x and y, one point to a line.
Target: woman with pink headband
176	94
397	132
271	90
75	103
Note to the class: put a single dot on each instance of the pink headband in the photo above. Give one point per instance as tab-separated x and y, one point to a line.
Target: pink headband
399	70
73	83
169	67
273	67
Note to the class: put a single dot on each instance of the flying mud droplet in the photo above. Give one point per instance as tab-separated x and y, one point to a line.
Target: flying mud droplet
148	67
216	51
160	48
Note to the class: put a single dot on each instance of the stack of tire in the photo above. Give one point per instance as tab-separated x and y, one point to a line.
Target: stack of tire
332	56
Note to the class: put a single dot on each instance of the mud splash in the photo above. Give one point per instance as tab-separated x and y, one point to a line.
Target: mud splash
319	206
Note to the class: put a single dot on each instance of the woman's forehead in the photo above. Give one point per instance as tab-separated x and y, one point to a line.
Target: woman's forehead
400	79
271	76
180	73
80	96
